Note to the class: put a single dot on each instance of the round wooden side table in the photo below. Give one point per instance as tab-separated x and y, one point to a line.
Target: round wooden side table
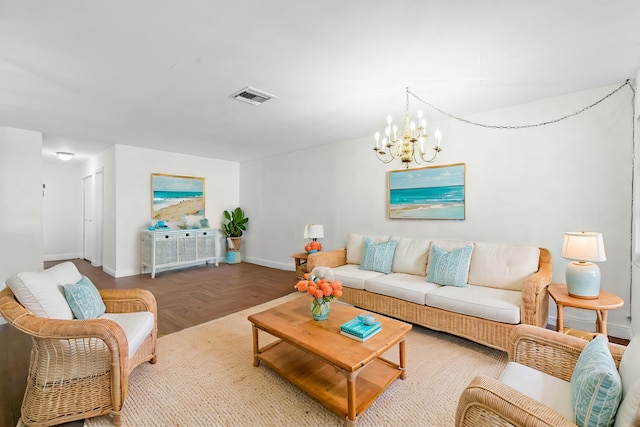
606	301
300	260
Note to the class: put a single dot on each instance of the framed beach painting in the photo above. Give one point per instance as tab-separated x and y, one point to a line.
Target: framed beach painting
174	196
436	192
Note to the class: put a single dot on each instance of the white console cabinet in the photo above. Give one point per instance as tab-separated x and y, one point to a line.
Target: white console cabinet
167	249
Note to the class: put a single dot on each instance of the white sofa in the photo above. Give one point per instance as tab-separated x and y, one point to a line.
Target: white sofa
500	287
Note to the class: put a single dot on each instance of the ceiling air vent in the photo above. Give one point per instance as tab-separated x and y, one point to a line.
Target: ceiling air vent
252	96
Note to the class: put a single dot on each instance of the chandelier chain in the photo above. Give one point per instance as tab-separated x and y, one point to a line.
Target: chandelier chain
484	125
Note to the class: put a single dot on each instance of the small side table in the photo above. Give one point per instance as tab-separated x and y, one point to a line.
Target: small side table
606	301
301	264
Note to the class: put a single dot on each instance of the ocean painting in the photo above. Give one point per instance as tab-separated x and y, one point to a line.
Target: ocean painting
176	196
427	193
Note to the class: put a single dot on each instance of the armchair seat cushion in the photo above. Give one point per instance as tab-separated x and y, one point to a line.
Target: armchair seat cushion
550	391
136	325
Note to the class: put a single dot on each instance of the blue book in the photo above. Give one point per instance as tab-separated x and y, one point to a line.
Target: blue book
357	328
363	339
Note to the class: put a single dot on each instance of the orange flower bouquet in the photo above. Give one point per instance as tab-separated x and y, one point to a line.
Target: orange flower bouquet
312	247
323	290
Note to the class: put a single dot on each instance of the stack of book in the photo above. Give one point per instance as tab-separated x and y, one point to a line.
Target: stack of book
357	330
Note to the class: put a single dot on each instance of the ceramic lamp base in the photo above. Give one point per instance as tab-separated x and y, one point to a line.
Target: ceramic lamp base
583	280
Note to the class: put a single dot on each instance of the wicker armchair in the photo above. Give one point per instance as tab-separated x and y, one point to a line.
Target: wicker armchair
79	368
489	402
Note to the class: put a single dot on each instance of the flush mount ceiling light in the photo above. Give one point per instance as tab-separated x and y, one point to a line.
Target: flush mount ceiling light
252	96
64	156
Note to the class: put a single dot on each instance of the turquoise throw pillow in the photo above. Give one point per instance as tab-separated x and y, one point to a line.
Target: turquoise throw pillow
449	268
596	387
84	299
378	256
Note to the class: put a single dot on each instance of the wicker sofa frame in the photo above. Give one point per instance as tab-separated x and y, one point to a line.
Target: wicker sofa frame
488	402
63	347
533	311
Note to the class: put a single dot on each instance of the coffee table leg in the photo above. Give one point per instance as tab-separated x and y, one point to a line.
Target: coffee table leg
256	360
402	358
351	420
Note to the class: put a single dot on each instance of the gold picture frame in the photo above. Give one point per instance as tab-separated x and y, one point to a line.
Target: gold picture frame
175	196
435	192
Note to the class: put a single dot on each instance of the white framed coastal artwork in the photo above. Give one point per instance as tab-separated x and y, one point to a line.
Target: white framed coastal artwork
174	197
435	192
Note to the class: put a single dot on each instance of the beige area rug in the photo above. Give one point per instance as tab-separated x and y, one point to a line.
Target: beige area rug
205	377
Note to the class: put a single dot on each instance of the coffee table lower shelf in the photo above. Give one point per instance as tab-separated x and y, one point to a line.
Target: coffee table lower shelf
326	383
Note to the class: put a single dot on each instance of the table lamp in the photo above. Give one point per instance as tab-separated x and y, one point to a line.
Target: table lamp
583	276
313	231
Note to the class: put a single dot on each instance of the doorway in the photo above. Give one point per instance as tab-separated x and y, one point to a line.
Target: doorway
93	218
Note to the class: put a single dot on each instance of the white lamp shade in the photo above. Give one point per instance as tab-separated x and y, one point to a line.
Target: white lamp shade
583	246
313	231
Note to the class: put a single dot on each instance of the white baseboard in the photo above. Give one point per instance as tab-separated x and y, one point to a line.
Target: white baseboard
272	264
613	329
61	257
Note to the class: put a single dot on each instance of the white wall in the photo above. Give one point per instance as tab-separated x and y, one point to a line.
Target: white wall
134	167
62	210
20	202
522	187
127	199
635	290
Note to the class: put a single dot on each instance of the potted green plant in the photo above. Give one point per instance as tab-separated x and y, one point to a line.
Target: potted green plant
233	229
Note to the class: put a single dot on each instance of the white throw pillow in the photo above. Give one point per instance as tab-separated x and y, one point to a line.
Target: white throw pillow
41	292
411	256
630	373
503	266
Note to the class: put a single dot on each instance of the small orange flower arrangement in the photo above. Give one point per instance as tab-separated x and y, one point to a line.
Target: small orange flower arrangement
313	247
320	288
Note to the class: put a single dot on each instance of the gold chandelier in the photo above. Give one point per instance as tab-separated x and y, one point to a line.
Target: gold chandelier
409	145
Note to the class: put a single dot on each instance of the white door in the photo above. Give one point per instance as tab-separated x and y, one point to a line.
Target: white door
88	232
98	218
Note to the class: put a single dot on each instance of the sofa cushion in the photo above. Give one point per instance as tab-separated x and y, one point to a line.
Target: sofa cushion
596	388
502	266
84	299
499	305
41	292
352	277
630	375
550	391
407	287
449	268
378	256
355	246
136	325
411	256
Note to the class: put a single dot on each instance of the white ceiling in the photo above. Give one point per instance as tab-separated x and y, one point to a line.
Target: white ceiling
158	73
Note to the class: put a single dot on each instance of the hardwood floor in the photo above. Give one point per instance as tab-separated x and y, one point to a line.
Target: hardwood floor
185	298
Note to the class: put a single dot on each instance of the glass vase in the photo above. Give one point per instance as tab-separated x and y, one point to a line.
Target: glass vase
320	309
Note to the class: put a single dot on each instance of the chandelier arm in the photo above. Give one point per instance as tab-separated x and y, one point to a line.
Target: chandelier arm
470	122
436	150
382	158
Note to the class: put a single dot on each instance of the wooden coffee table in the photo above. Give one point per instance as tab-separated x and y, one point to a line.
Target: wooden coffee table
344	374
